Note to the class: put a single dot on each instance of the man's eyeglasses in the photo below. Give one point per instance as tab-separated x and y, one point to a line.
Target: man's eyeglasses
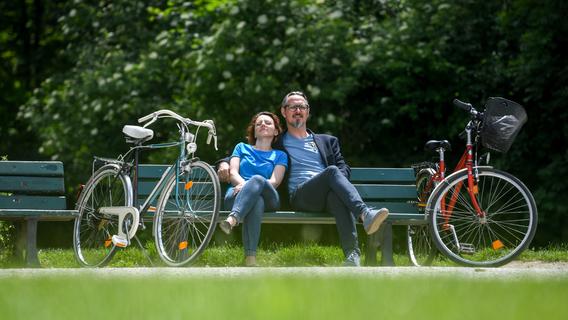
296	107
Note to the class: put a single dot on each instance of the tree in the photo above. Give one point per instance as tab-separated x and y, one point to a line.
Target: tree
380	75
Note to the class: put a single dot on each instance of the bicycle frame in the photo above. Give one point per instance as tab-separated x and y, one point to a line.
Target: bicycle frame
466	162
180	163
131	168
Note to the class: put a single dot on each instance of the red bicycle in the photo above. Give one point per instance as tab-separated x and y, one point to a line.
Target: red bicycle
478	215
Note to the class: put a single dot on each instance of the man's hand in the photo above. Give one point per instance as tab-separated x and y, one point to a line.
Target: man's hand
223	172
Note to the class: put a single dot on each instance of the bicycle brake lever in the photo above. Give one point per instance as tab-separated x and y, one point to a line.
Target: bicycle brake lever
152	117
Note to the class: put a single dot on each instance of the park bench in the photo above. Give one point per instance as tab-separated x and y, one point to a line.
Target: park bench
393	188
32	191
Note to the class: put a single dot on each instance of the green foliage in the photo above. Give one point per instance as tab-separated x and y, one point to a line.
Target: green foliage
7	240
380	75
28	46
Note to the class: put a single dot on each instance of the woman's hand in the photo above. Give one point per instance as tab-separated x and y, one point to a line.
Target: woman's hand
223	172
238	187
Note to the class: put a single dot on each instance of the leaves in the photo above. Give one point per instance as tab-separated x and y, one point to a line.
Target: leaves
380	75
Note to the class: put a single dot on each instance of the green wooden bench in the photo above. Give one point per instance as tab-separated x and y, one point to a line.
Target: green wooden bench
393	188
32	191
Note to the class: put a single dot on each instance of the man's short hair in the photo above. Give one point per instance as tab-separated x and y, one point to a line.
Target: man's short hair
293	93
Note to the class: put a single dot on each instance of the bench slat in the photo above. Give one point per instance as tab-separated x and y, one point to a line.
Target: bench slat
380	191
145	187
32	202
36	184
394	207
31	168
151	171
41	214
383	175
323	218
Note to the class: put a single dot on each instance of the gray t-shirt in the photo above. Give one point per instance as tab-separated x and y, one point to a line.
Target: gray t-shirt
305	160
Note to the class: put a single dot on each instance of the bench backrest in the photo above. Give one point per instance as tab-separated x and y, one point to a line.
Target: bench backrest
393	188
32	185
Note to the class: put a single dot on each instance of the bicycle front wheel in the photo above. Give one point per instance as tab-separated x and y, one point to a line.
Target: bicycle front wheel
421	248
504	229
93	231
187	214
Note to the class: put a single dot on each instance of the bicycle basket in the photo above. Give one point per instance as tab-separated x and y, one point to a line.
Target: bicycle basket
502	121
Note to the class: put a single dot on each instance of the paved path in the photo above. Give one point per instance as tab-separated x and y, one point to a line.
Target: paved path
536	271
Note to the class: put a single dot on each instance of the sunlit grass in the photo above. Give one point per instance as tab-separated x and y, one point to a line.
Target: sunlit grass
289	296
273	255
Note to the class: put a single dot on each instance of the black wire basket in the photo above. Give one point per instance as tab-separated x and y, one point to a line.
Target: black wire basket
502	121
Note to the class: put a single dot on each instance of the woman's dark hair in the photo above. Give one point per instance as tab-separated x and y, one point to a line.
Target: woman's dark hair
250	129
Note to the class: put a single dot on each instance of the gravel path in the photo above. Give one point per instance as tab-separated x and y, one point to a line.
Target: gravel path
512	270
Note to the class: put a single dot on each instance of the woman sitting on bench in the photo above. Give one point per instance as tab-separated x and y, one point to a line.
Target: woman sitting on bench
256	170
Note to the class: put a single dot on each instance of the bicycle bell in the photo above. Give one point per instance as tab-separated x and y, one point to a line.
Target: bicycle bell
191	147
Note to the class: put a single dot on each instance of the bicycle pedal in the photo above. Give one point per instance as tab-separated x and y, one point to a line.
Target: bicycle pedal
467	248
119	241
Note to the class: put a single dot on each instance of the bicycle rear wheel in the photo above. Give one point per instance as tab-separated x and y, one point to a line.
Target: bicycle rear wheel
93	231
506	229
186	214
421	249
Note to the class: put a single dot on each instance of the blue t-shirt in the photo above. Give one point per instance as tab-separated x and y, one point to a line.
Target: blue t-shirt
259	162
305	160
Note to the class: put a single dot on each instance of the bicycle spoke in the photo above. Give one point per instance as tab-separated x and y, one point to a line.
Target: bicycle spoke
187	215
497	234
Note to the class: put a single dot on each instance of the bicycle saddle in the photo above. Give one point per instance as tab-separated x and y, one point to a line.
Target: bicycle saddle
436	144
136	134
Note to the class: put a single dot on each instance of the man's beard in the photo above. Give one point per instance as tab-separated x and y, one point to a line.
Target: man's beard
297	123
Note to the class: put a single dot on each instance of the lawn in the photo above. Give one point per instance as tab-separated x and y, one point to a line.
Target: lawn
273	255
282	297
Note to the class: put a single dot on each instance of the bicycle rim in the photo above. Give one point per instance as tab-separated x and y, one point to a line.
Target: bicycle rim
421	249
507	228
187	215
93	231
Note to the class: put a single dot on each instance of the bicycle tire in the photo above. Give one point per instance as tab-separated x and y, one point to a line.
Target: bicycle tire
508	227
184	225
92	230
421	248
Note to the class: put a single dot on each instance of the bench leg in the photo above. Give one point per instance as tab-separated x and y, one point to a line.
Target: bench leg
386	245
373	241
26	243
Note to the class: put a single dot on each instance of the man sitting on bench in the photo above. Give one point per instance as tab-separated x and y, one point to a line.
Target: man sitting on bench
318	178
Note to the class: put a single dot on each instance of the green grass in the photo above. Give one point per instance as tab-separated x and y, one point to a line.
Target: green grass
281	297
273	255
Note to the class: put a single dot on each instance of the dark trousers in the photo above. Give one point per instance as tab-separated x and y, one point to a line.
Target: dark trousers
332	192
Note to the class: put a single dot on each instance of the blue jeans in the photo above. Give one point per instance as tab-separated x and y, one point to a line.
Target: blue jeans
247	206
332	192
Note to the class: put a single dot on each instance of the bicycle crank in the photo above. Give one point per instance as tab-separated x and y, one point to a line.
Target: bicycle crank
122	239
461	246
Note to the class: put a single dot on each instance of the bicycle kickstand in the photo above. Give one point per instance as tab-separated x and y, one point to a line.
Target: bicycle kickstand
144	251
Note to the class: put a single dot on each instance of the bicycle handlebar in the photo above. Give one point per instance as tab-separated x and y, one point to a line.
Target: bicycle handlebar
463	105
469	108
209	124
